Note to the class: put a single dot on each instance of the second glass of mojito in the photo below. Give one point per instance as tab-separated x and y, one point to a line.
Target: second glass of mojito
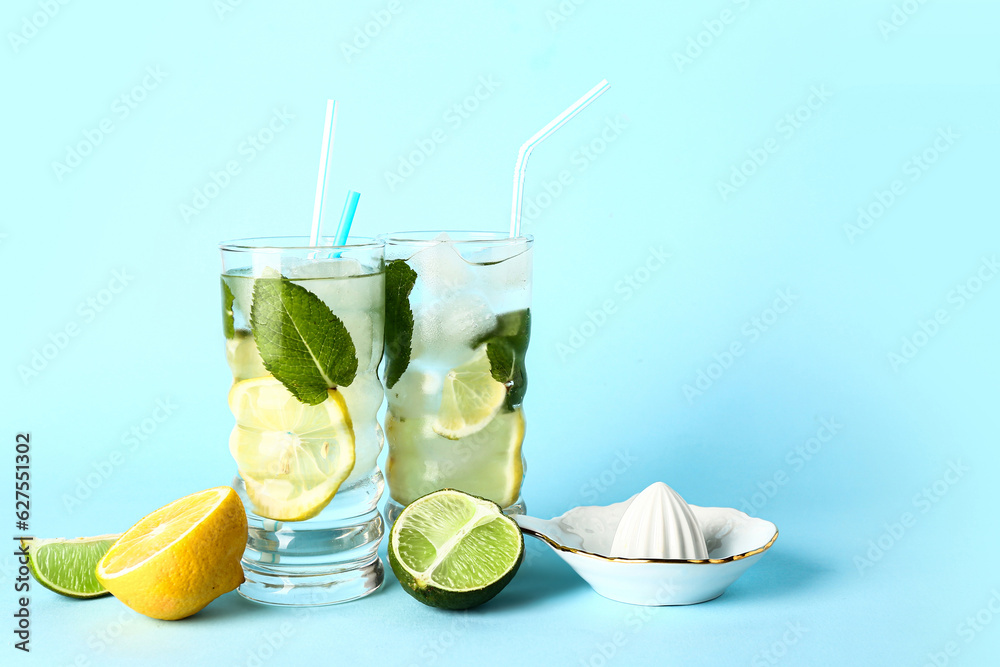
458	322
303	329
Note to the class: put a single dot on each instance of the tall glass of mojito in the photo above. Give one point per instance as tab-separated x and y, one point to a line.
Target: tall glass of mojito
457	329
304	329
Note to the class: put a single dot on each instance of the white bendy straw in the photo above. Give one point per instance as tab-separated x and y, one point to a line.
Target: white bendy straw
522	155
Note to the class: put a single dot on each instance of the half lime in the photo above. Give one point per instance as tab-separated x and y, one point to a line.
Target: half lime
68	566
454	551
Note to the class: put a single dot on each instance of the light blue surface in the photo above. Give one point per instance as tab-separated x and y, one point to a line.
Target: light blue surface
607	408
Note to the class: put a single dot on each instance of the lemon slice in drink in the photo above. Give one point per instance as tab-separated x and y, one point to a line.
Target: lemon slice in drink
470	398
293	457
179	558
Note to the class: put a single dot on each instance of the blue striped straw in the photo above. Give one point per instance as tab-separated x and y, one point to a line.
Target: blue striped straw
328	131
525	152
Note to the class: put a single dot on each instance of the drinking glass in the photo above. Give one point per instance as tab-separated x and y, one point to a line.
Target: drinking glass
458	322
304	329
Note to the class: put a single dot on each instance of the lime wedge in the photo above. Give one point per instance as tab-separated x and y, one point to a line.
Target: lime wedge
454	551
68	566
470	398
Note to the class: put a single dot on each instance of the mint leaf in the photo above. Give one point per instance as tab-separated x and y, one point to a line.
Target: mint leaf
399	281
302	343
506	346
228	320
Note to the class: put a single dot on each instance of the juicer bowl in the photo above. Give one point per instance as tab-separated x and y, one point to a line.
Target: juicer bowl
583	537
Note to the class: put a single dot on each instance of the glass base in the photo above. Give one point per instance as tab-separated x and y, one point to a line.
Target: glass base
392	509
328	559
310	587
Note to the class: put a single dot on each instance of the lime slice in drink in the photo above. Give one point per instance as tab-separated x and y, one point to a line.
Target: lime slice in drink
470	398
293	457
68	566
454	551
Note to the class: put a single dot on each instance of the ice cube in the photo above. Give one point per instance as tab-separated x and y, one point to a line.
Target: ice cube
494	253
417	394
507	283
322	268
265	264
445	330
440	269
340	283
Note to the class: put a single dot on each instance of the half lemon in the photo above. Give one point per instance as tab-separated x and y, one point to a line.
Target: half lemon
176	560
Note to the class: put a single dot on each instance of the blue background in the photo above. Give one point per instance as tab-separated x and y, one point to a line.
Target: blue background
609	362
